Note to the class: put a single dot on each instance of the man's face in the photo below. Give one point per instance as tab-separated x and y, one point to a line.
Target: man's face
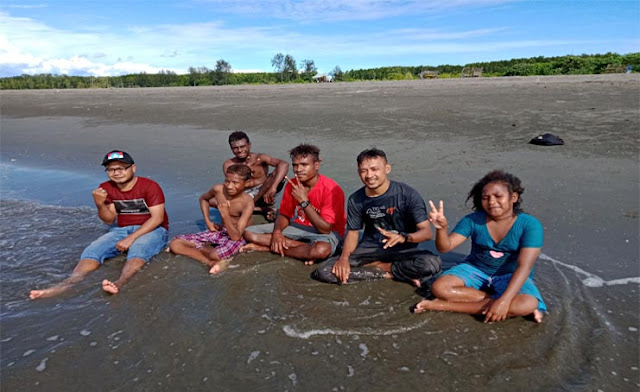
120	172
305	168
234	183
240	148
373	172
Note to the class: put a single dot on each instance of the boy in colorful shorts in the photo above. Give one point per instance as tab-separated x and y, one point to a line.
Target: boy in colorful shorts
216	246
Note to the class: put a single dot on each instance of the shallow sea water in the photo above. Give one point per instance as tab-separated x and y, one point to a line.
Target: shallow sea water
265	325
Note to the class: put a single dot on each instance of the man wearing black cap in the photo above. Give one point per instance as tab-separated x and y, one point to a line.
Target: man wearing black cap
137	205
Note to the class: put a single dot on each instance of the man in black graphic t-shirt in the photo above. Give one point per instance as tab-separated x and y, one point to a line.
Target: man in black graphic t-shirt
395	221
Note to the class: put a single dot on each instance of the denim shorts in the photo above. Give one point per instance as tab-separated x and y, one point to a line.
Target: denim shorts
300	233
496	285
144	247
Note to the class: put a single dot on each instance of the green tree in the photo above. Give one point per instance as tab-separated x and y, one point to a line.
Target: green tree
337	73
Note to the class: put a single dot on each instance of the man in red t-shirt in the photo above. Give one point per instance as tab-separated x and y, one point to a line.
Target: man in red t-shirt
137	204
312	218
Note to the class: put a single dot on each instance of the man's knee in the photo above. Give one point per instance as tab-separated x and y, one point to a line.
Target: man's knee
422	266
320	250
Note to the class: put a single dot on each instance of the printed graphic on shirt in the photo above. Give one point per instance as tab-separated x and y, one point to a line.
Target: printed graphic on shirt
134	206
382	217
301	216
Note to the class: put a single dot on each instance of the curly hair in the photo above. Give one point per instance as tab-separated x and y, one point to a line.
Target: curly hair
509	180
304	150
242	170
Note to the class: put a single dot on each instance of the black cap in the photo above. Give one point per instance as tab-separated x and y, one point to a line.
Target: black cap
117	155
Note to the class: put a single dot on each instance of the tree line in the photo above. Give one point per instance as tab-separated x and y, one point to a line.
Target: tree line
286	70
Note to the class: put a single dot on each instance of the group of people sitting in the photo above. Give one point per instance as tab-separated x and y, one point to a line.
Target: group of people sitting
376	237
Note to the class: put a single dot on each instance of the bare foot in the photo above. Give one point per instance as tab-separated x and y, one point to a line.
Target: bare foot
538	315
50	292
427	304
42	293
109	287
254	247
219	266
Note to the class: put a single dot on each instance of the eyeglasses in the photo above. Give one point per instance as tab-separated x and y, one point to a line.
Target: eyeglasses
118	170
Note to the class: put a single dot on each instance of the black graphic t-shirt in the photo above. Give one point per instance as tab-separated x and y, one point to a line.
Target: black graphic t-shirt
399	209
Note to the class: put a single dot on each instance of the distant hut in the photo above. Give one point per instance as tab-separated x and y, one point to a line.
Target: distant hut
471	72
429	74
323	78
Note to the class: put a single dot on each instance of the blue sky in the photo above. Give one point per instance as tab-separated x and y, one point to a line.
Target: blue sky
91	37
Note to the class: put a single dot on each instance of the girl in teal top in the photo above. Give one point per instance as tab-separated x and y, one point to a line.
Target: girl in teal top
496	278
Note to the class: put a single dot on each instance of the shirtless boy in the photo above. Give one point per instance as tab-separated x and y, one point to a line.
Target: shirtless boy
263	186
216	246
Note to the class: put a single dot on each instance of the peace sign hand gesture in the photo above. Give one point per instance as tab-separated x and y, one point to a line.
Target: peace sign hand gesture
436	215
298	191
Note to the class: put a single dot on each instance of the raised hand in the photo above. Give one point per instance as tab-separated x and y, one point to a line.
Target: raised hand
436	215
298	191
99	196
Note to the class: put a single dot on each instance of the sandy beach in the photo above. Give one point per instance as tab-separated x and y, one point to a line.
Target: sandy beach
440	137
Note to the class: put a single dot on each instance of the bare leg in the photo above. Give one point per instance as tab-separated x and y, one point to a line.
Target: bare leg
186	248
130	268
452	288
256	242
522	305
309	253
83	267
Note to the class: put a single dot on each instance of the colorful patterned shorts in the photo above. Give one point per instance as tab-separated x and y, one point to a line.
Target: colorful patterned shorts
225	247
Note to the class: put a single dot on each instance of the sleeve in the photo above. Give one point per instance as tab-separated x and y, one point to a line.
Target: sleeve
464	227
329	207
154	194
417	207
107	187
532	234
354	218
287	204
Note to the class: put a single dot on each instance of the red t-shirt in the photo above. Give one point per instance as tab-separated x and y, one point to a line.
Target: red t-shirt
326	197
133	206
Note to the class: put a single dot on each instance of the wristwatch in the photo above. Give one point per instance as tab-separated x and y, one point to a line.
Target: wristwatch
405	235
304	204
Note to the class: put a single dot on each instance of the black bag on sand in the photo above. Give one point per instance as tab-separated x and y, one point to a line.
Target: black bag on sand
547	140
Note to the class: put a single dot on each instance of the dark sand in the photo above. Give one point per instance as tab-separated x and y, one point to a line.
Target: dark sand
440	136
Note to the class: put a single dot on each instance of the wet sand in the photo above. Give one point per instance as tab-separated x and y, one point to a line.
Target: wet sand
440	136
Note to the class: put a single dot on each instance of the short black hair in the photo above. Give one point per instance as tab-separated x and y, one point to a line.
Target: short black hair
371	153
242	170
238	135
512	183
305	150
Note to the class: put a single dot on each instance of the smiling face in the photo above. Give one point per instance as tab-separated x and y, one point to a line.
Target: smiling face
234	183
120	172
497	201
373	172
240	148
305	168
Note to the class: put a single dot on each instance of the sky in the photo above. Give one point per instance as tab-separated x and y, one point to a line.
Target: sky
115	37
